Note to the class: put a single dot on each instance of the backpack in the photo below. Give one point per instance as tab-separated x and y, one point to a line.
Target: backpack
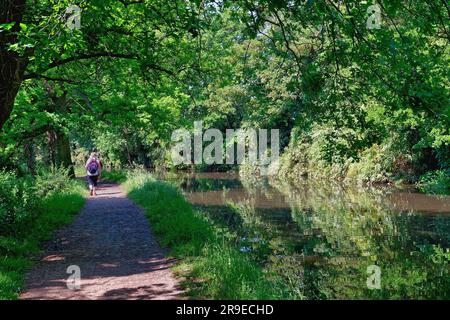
92	167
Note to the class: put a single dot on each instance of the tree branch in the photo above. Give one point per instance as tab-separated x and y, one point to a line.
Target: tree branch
86	56
40	76
90	56
127	3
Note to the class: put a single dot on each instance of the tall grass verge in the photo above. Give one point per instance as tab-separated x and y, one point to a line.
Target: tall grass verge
213	267
35	224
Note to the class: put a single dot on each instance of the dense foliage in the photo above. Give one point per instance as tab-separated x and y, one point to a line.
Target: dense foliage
31	208
350	101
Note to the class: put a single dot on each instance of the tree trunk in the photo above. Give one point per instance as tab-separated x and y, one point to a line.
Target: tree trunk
61	140
63	157
12	65
29	154
143	155
129	156
51	148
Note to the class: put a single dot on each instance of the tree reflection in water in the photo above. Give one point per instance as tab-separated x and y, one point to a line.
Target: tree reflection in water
321	237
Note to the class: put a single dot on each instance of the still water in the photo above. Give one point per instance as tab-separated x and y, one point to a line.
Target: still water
330	241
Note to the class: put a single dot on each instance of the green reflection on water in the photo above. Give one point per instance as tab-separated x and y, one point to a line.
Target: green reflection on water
320	238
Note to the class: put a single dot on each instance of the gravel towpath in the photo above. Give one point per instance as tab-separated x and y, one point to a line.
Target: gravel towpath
117	255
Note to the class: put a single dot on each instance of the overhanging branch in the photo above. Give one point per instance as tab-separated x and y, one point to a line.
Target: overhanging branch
87	56
90	56
40	76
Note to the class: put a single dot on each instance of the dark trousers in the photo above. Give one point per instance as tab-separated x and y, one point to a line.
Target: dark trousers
93	180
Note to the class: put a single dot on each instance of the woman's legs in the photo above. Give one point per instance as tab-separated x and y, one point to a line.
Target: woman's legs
92	185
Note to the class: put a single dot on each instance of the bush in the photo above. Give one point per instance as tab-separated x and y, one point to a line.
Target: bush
437	182
49	182
294	161
18	203
30	209
372	166
312	157
20	198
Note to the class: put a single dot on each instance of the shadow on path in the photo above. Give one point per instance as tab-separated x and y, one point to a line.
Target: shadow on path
111	242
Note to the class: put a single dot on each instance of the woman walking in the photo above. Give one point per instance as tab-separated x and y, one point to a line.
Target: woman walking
93	170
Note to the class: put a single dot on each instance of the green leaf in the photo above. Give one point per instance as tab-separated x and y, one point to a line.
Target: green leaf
7	26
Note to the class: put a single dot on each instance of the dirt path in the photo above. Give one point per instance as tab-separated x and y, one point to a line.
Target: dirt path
118	256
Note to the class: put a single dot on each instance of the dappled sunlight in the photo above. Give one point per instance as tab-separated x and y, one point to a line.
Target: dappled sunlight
111	243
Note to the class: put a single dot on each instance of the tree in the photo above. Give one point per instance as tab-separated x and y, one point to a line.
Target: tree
13	65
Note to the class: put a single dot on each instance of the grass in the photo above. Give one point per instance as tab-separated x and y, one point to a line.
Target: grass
55	211
114	176
212	266
118	176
